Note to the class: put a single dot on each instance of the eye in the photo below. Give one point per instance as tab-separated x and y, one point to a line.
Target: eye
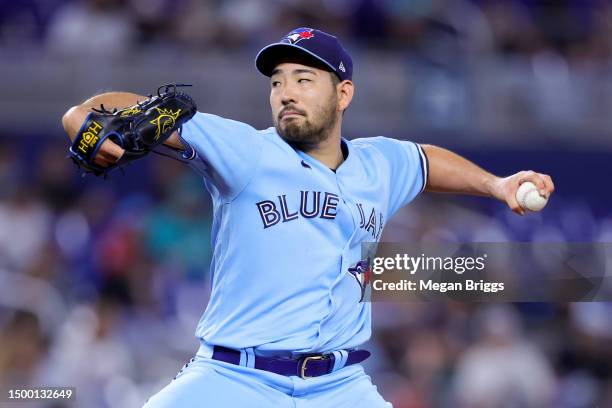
303	80
275	84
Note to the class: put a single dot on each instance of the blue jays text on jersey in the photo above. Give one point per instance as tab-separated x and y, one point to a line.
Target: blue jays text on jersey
313	204
287	230
272	215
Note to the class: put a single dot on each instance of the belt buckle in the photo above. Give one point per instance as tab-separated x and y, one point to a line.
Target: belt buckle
303	375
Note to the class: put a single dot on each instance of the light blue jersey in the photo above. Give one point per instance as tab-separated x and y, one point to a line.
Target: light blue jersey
287	229
287	272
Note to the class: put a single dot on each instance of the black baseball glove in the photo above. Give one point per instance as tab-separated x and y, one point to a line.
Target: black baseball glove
137	129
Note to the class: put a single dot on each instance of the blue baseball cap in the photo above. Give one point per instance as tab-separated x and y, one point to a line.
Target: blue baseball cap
324	49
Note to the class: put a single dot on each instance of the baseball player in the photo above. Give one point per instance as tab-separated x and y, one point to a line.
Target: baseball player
292	205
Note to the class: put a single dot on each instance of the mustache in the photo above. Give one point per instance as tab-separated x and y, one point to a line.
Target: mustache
291	109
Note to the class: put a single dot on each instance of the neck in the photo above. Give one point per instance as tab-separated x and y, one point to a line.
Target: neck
329	151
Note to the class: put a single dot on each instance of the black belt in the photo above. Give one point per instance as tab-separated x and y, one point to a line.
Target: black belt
307	366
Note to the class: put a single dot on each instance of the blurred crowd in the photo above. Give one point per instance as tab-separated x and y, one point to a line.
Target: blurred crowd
481	66
576	29
98	290
102	283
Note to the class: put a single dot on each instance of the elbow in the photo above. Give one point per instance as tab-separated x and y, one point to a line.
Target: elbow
67	119
73	119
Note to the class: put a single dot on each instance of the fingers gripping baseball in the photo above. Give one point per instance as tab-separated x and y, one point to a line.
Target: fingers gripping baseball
542	181
507	188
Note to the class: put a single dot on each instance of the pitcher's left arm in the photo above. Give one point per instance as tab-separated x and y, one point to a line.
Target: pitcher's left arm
451	173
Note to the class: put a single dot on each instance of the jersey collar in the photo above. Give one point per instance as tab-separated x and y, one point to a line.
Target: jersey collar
346	151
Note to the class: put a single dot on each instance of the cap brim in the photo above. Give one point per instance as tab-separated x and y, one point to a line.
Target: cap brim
267	59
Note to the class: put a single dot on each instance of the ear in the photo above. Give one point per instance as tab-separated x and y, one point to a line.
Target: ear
345	90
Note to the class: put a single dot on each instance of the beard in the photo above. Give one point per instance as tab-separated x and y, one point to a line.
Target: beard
303	133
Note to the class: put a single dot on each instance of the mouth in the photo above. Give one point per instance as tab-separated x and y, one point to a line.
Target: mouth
289	114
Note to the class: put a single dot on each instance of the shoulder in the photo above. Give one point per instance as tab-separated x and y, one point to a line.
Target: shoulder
379	145
379	142
393	151
385	145
269	133
271	137
209	120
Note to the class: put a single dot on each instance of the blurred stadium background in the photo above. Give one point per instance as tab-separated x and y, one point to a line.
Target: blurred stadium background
102	282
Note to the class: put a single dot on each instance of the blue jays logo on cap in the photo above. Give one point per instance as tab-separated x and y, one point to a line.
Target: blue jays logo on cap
298	35
321	48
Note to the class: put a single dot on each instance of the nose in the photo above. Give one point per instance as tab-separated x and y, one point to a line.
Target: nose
288	94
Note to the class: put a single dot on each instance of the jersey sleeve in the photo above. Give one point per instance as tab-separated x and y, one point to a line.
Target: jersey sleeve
226	152
408	167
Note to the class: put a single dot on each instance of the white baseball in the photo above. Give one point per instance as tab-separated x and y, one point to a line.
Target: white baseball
529	198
